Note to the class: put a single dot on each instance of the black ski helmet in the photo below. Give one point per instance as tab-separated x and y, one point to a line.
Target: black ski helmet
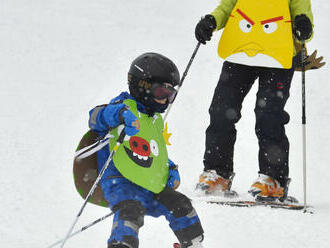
147	69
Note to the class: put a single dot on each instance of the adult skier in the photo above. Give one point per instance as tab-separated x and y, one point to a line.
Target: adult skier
257	43
141	180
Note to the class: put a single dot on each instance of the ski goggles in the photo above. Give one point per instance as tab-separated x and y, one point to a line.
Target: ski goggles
163	91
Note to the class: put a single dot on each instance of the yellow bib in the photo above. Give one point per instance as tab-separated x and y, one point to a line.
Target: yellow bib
258	33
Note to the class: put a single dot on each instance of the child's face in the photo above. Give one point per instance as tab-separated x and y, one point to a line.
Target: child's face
166	93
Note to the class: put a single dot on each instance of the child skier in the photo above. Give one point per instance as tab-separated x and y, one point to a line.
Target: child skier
141	180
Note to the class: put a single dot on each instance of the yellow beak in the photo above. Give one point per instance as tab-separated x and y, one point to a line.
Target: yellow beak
251	49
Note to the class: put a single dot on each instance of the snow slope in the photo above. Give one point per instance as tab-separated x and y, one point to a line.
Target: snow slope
60	58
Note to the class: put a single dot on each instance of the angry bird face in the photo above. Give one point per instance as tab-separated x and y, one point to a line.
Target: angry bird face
142	151
258	33
143	159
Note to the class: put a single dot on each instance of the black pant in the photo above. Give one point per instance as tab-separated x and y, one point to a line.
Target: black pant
235	82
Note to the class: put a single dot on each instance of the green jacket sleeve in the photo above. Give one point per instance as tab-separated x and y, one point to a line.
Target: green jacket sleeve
298	7
222	12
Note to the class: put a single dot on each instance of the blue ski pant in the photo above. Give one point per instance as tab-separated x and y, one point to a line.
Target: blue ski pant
130	203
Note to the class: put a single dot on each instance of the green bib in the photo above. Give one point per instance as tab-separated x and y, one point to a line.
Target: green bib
143	158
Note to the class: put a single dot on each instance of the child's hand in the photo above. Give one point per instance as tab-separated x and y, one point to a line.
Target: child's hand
173	180
132	124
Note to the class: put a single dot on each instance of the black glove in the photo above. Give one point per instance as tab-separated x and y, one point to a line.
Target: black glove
303	27
204	28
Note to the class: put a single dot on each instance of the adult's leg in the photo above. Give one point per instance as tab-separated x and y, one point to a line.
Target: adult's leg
225	110
273	92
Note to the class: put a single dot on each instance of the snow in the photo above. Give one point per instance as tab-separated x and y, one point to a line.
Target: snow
60	58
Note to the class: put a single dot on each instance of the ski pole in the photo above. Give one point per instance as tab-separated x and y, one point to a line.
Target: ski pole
105	166
303	50
183	77
82	229
98	145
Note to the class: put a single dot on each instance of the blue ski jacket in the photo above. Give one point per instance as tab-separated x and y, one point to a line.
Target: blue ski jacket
102	123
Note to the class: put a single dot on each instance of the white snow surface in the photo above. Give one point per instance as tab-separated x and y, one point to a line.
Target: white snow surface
60	58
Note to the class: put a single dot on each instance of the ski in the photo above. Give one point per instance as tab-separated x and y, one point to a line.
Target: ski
243	203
